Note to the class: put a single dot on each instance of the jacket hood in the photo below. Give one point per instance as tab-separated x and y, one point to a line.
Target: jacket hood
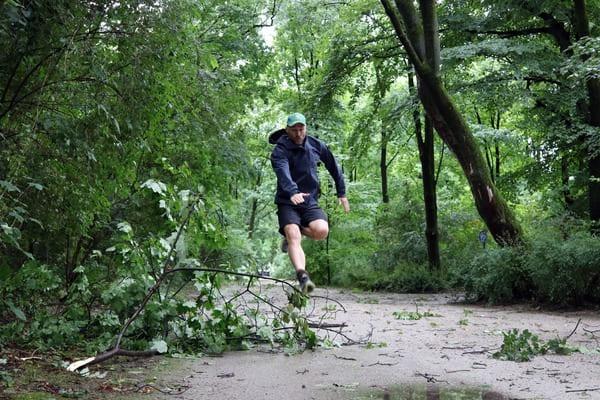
274	136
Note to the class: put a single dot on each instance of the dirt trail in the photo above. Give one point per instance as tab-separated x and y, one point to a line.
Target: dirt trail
453	349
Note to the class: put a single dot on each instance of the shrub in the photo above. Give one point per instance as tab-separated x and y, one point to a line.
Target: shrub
565	272
497	275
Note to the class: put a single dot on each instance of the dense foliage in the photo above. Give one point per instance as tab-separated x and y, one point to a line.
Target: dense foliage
115	114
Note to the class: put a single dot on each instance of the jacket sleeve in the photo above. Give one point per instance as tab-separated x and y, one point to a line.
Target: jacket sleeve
334	169
281	166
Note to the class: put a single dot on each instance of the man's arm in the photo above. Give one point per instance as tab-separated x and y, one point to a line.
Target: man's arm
281	166
336	173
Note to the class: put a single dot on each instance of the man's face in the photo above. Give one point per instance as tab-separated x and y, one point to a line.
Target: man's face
296	133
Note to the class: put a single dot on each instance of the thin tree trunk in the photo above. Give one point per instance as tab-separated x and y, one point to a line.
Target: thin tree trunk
564	172
497	160
497	147
383	164
454	131
385	197
253	209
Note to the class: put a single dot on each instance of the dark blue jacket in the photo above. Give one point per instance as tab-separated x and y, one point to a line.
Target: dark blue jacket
296	169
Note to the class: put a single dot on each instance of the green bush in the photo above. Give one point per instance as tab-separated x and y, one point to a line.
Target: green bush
551	268
497	275
410	278
567	271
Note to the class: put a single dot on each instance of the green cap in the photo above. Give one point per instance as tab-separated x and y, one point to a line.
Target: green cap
296	118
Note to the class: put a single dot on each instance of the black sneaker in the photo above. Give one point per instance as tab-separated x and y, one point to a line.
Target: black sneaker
284	245
306	285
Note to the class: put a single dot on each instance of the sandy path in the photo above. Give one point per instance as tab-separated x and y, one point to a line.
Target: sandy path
435	349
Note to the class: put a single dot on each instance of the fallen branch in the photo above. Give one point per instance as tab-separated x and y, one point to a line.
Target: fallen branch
74	366
167	269
325	325
582	390
116	350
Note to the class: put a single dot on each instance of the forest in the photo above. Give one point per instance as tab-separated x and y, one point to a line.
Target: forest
135	176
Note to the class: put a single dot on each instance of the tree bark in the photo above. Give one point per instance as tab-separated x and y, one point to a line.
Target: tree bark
427	159
383	164
564	172
426	152
385	196
582	29
254	207
454	131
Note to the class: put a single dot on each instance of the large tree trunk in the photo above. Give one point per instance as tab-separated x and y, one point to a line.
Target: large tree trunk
454	131
582	29
426	156
426	147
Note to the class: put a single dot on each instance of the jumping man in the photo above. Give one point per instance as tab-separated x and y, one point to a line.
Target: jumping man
294	160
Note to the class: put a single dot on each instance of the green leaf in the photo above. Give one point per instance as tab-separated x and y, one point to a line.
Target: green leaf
124	227
35	185
17	311
8	186
155	186
159	345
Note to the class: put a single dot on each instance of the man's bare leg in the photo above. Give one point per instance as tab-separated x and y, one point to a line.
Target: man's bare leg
296	253
294	237
317	229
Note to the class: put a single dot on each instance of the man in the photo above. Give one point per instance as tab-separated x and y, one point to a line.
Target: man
294	160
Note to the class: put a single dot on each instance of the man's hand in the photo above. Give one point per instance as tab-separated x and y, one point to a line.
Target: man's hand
298	198
344	202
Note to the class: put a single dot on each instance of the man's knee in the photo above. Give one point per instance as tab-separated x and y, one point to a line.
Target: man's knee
292	232
319	229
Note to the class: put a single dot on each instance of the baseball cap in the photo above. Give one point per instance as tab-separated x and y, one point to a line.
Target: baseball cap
296	118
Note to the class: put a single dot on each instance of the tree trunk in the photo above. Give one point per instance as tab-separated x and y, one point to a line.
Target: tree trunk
383	164
430	196
426	156
582	29
432	54
454	131
564	172
254	208
385	196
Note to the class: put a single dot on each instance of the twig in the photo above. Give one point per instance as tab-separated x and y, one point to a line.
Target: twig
170	393
384	364
582	390
322	325
552	361
456	370
224	271
429	377
574	329
479	351
344	358
329	299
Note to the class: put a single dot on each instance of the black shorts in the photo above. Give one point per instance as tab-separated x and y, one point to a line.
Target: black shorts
300	215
